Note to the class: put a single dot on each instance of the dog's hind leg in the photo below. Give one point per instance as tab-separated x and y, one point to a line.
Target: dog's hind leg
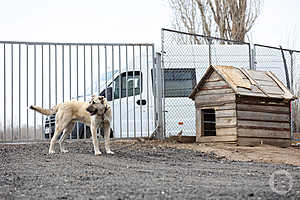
66	131
58	130
107	138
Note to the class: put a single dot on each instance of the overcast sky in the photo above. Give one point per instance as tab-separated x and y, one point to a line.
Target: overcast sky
126	21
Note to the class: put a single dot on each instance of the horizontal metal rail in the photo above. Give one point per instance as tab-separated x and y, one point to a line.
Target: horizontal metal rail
73	43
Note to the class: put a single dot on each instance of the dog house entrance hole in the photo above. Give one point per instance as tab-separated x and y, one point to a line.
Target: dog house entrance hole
209	122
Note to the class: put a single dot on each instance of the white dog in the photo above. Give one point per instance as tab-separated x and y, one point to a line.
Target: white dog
96	114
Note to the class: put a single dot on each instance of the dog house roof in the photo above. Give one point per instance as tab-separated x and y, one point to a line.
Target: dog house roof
246	82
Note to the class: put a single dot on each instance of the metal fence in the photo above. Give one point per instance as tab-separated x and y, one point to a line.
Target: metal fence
146	97
189	55
285	64
45	74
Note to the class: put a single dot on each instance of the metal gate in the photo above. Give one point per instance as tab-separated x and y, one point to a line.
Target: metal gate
45	74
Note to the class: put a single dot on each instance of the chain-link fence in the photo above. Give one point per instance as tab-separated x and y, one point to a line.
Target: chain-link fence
284	63
185	58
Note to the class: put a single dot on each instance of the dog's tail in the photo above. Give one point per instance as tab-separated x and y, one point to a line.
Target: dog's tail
45	111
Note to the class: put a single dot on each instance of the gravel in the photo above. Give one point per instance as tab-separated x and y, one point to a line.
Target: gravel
137	171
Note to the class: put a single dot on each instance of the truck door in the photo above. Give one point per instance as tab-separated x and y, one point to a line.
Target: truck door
129	105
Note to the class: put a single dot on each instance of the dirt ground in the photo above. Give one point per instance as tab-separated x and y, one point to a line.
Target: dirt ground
149	170
262	153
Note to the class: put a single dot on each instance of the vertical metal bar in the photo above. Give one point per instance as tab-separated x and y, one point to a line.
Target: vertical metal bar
113	86
92	82
253	57
49	86
250	56
105	59
159	101
98	82
159	89
293	124
133	76
105	48
70	72
77	88
63	72
34	90
98	78
141	80
127	109
4	93
12	92
27	119
148	114
209	52
70	83
120	91
292	71
84	85
285	69
55	74
42	136
154	89
49	78
19	131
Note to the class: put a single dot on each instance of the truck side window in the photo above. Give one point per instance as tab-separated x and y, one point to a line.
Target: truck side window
179	82
133	80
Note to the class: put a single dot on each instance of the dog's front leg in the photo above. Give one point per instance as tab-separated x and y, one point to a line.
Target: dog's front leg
107	138
95	140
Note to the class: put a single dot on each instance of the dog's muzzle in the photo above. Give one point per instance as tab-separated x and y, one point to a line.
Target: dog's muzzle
91	110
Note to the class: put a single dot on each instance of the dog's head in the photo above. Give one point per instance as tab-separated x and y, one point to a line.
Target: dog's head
97	105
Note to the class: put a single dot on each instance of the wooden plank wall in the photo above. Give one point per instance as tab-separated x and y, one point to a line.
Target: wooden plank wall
261	121
217	94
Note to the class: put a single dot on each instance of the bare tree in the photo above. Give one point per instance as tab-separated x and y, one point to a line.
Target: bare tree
227	19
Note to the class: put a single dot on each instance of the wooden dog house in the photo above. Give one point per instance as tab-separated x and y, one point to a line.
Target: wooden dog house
248	107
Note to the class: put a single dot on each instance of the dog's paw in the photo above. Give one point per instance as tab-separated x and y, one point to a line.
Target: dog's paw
98	153
51	152
64	151
110	152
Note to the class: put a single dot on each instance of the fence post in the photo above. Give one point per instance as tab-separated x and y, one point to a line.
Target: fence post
252	57
209	52
292	71
158	99
285	69
293	123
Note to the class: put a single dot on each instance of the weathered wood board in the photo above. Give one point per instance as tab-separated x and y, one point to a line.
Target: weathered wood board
244	141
